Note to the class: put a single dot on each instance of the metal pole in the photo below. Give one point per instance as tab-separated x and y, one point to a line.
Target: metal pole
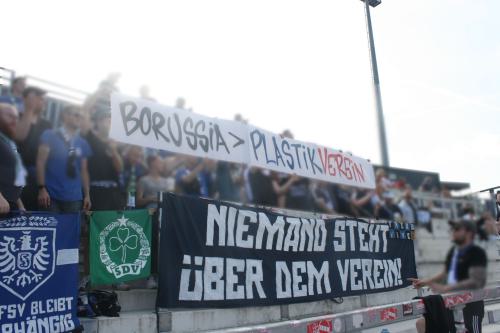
376	88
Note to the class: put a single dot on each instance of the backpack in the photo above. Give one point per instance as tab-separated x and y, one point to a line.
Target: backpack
104	303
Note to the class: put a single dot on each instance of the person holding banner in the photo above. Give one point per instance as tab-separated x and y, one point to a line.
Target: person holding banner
465	268
187	177
12	172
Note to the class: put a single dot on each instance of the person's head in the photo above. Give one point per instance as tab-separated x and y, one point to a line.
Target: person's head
463	231
18	86
180	103
34	99
239	118
408	195
102	121
379	174
134	155
144	91
155	163
8	120
427	180
287	134
72	117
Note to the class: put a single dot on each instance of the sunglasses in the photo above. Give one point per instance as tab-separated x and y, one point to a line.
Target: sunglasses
70	165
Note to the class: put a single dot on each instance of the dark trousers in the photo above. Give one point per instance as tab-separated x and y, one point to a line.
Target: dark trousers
473	316
106	198
29	197
58	206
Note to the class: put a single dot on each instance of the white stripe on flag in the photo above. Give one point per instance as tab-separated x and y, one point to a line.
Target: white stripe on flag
67	257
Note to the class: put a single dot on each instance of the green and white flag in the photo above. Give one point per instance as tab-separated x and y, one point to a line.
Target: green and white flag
120	246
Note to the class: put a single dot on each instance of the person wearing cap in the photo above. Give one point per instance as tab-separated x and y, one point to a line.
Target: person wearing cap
465	268
29	129
15	95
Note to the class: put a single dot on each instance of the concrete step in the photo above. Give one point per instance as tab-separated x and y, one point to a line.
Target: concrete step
491	328
227	320
407	326
128	322
137	300
180	321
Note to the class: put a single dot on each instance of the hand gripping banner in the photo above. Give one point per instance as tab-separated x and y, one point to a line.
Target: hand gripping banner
39	272
216	254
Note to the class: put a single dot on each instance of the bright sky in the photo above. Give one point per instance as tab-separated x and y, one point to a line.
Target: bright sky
302	65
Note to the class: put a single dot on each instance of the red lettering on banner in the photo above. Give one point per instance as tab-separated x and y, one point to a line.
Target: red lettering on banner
346	167
358	170
323	160
389	314
322	326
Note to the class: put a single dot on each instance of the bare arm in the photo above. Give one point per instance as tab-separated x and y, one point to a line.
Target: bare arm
280	190
115	157
419	283
363	200
4	205
192	174
85	184
41	162
476	280
139	195
20	205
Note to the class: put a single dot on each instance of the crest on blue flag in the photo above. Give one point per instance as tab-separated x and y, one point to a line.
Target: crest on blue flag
27	259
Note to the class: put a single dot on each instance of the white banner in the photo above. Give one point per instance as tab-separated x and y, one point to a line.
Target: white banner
149	124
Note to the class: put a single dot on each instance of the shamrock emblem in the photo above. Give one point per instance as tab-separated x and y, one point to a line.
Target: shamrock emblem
123	241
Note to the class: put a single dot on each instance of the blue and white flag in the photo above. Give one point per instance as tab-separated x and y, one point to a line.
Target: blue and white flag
39	272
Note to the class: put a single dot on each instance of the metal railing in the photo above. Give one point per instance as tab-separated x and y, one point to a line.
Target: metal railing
378	316
58	96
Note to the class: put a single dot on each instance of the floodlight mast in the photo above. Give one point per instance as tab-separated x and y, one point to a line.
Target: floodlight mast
376	83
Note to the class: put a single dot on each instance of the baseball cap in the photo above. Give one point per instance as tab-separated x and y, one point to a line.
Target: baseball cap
461	223
37	91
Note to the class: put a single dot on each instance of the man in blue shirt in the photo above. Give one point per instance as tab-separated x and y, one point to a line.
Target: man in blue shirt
61	166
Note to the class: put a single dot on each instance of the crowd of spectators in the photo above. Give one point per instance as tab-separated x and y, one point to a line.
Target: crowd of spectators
76	166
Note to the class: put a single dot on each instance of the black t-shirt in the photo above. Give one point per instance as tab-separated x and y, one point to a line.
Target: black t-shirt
471	256
262	189
299	196
100	163
8	173
29	147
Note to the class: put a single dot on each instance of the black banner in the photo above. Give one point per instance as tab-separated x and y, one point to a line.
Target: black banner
215	254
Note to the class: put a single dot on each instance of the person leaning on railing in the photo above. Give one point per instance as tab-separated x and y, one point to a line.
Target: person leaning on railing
465	268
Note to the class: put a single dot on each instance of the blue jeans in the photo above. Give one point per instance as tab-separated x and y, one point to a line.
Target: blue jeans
58	206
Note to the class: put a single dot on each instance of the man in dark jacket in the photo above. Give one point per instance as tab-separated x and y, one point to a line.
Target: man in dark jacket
12	172
465	268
